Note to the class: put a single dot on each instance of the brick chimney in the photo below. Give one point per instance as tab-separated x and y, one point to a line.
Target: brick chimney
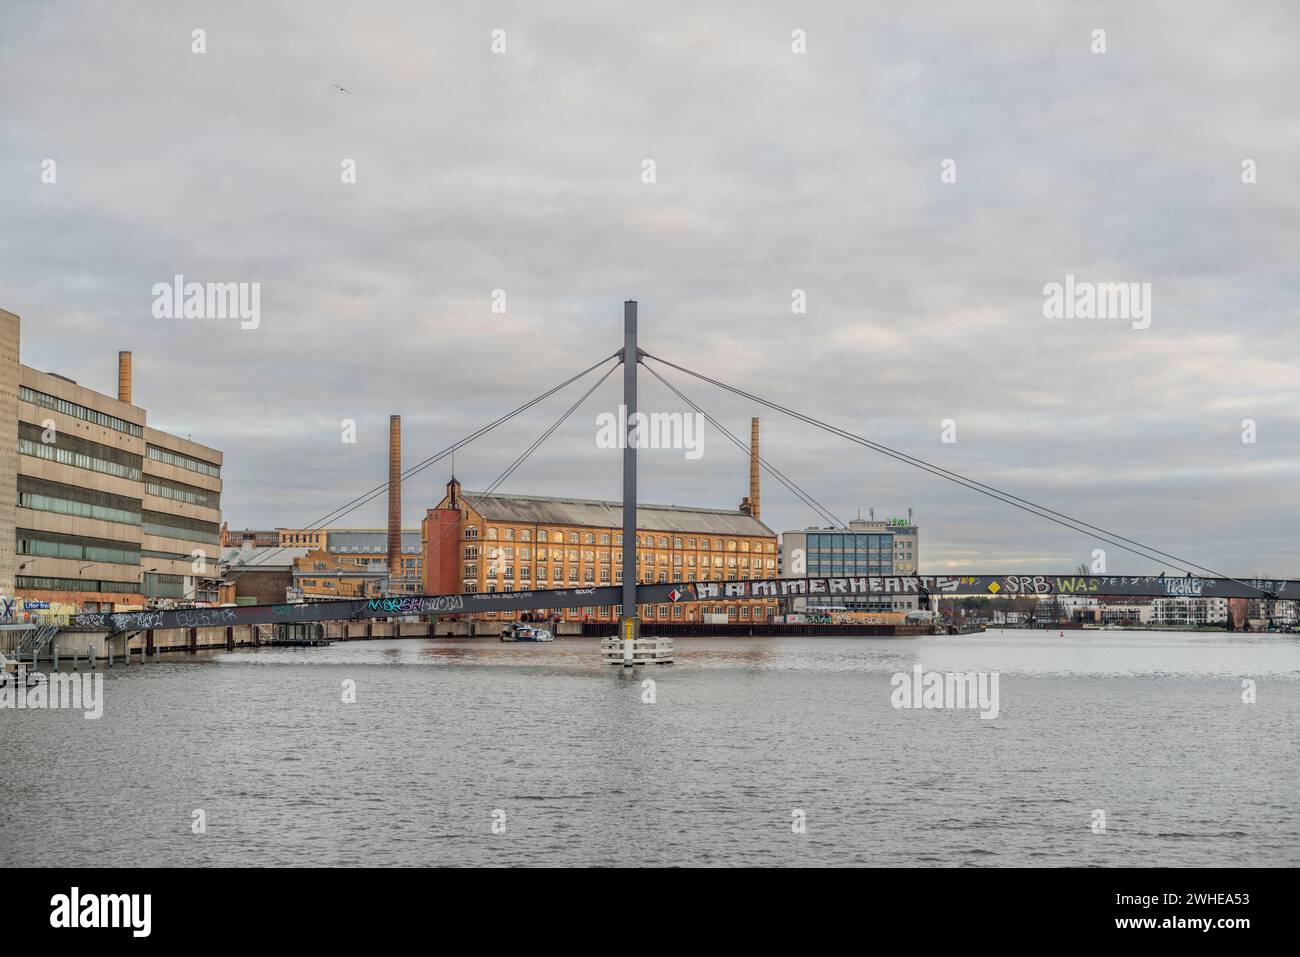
394	498
750	505
124	377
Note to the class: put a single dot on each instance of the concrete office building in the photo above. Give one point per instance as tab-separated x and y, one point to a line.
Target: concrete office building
98	511
8	452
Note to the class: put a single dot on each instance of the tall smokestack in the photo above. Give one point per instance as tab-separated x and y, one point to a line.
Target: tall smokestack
394	498
753	467
124	377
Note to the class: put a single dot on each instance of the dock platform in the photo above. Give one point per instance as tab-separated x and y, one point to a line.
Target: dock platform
637	651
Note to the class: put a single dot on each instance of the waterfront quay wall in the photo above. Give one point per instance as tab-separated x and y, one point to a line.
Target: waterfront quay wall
80	641
72	642
696	629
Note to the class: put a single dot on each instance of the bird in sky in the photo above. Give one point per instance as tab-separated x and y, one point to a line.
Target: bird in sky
341	90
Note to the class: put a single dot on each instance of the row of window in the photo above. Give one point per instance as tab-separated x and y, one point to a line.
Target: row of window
718	545
845	540
504	579
65	454
704	561
875	567
526	573
55	545
314	539
79	411
414	563
82	503
35	583
180	492
163	586
591	538
588	575
507	552
180	460
172	556
667	612
180	527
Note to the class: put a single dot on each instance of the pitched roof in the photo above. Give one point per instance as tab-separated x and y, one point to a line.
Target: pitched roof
540	510
270	557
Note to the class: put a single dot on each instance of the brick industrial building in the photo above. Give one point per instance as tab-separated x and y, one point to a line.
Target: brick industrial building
474	542
363	548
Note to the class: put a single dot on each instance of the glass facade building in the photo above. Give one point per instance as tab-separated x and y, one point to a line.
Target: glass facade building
833	552
849	553
866	548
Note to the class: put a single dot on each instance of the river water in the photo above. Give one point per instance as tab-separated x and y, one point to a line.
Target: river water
459	752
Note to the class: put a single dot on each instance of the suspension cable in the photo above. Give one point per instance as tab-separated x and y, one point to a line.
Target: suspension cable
366	497
523	456
1078	525
789	483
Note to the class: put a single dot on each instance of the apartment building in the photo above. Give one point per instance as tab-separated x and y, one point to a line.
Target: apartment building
1189	611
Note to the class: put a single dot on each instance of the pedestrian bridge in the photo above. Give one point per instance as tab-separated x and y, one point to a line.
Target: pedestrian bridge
629	595
921	586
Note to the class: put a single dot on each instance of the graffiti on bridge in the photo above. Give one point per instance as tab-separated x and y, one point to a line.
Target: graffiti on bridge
417	604
1008	585
853	585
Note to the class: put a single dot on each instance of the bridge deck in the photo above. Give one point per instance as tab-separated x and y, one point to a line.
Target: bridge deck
1033	586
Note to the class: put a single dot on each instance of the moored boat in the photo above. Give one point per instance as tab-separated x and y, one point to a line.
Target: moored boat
516	631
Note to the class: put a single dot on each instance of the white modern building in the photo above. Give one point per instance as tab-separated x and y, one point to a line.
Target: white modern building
1189	611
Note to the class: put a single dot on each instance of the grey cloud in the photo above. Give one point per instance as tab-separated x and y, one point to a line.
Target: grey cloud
776	172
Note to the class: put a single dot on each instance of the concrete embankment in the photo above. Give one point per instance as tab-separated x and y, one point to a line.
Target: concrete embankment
79	642
694	629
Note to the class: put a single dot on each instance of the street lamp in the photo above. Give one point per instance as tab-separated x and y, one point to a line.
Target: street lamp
79	571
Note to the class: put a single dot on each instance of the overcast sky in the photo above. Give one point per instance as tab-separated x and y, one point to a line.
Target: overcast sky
775	171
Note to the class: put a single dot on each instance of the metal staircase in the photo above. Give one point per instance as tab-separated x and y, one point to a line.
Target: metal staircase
36	640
